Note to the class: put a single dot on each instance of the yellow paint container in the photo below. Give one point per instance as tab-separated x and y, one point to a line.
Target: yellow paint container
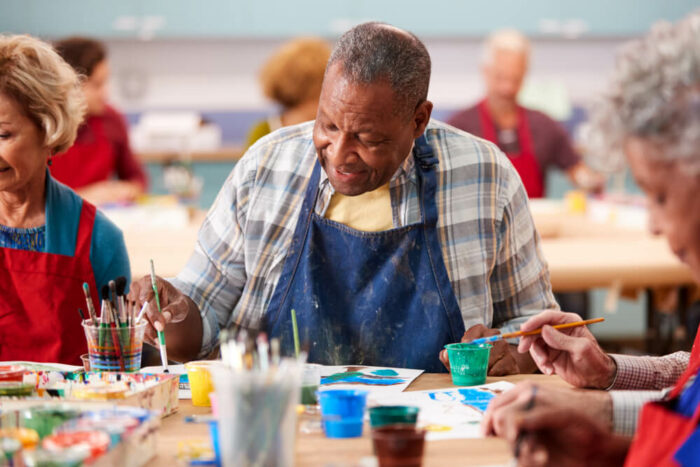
200	381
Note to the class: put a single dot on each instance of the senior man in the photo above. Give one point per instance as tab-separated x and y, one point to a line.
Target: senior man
386	232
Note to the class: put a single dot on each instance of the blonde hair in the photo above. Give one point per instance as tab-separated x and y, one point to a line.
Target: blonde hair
294	74
45	86
505	39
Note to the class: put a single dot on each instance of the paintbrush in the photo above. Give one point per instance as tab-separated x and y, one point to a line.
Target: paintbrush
90	304
161	334
121	306
115	321
264	358
510	335
141	313
295	330
104	315
113	293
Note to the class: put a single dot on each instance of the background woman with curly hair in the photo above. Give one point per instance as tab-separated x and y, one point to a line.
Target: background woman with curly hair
292	78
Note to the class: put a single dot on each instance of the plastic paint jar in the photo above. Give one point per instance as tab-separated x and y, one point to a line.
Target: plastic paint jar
201	385
342	412
469	363
398	446
12	373
393	415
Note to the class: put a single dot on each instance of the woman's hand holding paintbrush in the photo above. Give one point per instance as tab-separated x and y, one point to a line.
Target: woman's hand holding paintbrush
572	353
180	318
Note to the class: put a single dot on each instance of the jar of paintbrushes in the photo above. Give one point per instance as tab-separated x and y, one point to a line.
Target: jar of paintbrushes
257	394
115	336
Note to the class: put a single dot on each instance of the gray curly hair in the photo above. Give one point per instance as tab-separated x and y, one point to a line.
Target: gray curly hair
654	95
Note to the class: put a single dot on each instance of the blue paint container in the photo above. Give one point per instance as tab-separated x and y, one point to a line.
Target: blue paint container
342	412
214	432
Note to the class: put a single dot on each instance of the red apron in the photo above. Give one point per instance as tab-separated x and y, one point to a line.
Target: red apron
661	431
525	161
90	160
42	292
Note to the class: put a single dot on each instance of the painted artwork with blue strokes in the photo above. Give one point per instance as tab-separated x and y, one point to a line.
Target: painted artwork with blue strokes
476	398
367	377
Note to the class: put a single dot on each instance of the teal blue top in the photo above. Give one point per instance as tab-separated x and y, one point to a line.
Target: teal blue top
108	254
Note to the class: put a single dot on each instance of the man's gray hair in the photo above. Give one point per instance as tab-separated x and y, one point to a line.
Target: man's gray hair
374	51
654	95
510	40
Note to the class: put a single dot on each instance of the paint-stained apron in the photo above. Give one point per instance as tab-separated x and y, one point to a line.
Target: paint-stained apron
41	294
662	431
368	298
525	161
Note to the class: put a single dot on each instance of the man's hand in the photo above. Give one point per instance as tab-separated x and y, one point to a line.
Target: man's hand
175	305
571	353
562	437
503	357
596	404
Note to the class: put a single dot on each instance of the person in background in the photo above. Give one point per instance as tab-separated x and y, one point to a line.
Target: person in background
533	141
100	165
51	240
292	78
651	112
371	222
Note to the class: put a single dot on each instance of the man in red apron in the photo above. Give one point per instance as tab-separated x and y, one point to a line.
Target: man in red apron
533	141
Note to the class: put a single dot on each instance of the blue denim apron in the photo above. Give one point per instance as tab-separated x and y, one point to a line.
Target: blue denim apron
368	298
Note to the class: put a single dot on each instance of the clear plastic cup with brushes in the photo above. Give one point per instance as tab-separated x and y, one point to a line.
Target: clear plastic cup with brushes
114	348
257	394
114	337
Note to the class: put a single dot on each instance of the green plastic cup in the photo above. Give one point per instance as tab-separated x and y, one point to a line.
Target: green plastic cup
468	363
393	415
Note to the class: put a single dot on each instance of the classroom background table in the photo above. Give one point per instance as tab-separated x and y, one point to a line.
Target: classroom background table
581	254
315	450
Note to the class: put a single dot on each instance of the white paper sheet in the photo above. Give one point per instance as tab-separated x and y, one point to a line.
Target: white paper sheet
377	380
449	413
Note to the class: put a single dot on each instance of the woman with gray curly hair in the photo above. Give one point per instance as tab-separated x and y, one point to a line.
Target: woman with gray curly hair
650	118
51	241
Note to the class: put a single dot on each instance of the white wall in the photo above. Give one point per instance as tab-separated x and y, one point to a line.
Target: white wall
221	74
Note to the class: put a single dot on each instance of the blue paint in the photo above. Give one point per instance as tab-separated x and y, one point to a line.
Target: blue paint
475	398
362	379
385	372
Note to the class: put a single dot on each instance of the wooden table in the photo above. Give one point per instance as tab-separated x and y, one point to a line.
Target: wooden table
317	450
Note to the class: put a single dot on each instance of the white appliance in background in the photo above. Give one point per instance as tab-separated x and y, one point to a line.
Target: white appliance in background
180	132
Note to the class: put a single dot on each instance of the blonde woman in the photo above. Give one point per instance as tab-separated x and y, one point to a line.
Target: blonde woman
51	240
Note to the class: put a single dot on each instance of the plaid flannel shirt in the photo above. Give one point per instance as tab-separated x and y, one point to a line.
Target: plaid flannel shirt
489	243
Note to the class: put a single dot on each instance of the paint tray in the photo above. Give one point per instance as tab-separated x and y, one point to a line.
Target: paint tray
156	392
135	447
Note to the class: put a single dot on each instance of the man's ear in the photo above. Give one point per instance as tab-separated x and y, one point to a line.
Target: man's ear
421	117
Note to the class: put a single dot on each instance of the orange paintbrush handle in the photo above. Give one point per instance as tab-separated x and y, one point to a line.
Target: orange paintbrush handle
510	335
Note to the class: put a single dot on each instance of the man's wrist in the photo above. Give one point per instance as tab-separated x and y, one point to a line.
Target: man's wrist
600	407
611	374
